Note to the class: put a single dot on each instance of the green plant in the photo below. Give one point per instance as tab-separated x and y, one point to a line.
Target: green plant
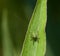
36	30
7	43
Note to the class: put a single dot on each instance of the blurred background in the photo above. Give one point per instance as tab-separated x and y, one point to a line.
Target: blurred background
14	19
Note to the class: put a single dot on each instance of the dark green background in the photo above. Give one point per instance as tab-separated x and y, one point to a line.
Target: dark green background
53	25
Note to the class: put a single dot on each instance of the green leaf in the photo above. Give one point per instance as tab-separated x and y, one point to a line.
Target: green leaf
35	39
7	43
